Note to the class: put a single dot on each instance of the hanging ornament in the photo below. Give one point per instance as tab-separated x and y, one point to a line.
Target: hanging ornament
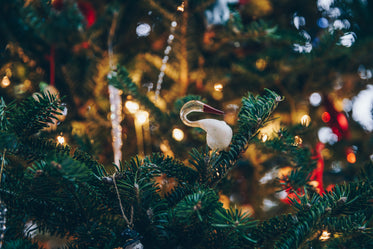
132	239
219	134
337	121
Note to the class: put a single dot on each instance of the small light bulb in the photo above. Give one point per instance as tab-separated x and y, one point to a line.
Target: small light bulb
5	82
305	120
181	7
351	157
298	140
61	139
325	235
261	64
132	106
218	87
264	137
177	134
142	117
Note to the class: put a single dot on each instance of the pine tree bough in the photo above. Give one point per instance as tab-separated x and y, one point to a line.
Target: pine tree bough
67	193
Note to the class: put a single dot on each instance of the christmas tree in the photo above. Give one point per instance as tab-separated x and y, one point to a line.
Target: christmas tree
97	97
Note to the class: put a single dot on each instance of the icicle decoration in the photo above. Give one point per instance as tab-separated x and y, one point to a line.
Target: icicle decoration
165	59
115	98
116	117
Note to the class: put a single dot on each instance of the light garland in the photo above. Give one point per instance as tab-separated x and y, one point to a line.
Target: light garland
165	59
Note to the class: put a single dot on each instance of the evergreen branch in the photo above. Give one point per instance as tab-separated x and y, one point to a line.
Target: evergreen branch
234	219
254	114
162	10
32	115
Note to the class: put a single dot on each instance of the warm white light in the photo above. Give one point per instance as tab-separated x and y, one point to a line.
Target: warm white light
61	139
143	29
264	137
132	106
142	117
5	82
325	235
315	99
218	87
305	120
177	134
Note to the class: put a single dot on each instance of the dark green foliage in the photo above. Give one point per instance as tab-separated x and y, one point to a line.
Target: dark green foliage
65	192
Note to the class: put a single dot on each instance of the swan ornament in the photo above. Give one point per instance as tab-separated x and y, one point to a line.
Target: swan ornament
218	133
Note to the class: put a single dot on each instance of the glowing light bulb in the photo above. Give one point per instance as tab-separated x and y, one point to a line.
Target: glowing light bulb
261	64
324	236
305	120
298	140
181	7
60	139
315	99
264	137
142	117
218	87
132	106
351	157
5	82
325	117
177	134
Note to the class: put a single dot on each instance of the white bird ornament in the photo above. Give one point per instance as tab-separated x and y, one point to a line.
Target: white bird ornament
218	133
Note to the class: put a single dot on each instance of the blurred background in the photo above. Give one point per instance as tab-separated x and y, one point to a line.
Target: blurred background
315	53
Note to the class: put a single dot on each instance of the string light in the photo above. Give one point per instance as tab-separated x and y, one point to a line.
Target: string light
142	117
177	134
132	106
166	53
298	140
261	64
324	236
325	117
305	120
264	137
181	7
218	87
60	139
5	82
351	157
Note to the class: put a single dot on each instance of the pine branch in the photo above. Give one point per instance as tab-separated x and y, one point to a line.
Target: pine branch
255	112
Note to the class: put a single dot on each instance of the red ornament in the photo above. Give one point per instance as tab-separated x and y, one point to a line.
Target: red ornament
336	120
88	12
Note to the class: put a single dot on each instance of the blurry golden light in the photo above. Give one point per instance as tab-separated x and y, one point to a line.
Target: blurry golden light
142	117
305	120
5	82
132	106
264	137
324	236
177	134
60	139
181	7
218	87
351	157
261	64
298	140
